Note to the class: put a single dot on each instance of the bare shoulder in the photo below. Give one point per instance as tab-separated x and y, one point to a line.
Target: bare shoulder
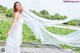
16	15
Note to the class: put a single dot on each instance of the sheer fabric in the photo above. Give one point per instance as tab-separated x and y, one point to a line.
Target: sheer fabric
14	40
37	25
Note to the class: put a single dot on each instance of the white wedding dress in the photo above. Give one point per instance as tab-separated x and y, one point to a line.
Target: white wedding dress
14	39
37	25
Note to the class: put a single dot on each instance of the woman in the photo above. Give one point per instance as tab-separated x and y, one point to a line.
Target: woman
37	25
14	35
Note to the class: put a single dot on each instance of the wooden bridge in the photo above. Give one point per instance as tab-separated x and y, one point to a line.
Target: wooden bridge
37	48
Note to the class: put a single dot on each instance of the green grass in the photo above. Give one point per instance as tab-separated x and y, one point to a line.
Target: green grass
3	17
28	35
61	31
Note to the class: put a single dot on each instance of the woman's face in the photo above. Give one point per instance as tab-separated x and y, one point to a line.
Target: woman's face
18	6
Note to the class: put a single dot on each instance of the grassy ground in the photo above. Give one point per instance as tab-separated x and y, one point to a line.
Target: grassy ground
27	33
3	17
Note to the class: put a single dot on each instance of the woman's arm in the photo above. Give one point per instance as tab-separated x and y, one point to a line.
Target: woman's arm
13	23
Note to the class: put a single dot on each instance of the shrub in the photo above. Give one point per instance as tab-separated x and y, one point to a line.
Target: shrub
74	22
9	13
44	12
3	9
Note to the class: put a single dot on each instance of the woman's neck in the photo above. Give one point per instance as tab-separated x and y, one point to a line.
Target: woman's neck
18	12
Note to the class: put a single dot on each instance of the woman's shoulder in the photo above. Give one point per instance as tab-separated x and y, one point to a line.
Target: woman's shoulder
16	14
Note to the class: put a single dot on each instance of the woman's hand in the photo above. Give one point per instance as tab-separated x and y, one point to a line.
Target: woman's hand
8	34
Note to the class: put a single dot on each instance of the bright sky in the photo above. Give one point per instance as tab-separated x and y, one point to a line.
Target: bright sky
53	6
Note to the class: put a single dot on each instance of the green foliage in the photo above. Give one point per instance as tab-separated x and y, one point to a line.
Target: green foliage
60	31
28	35
66	46
74	22
44	12
36	13
58	17
3	9
9	13
4	27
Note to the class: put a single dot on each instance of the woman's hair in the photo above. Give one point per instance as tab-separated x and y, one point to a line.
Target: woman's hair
15	9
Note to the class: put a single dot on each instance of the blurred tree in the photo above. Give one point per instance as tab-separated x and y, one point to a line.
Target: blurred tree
3	9
44	12
9	13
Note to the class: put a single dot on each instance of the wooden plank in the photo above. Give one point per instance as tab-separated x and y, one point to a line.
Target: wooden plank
39	48
45	50
42	50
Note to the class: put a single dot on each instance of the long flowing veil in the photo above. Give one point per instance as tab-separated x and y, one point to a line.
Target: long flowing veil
38	24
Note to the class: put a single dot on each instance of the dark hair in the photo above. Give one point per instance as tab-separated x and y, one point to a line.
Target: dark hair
15	9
